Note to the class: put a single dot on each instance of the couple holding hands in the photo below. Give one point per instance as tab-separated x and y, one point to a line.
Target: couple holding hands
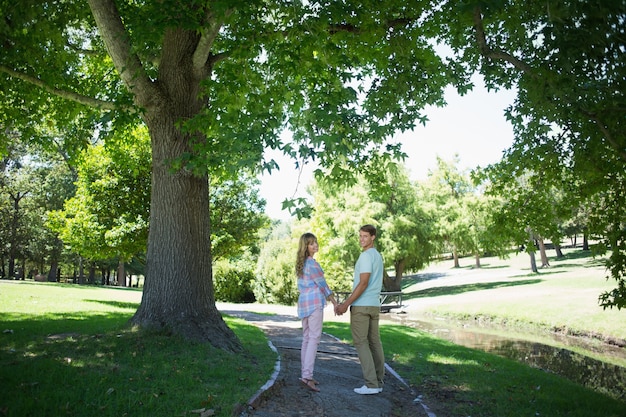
364	304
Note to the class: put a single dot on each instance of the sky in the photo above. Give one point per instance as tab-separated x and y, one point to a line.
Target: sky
472	126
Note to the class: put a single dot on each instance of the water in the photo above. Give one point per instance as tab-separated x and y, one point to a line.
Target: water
596	374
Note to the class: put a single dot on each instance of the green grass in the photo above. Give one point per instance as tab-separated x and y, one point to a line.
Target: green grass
563	297
457	381
65	350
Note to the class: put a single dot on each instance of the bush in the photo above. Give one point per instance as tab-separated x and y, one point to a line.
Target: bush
276	282
233	283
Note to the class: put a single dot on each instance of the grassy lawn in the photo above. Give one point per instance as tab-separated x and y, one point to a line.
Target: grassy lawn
563	297
457	381
65	350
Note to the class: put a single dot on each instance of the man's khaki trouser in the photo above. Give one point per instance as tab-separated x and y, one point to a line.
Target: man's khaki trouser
366	339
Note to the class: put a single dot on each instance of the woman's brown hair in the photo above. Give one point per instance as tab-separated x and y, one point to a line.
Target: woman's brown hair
303	252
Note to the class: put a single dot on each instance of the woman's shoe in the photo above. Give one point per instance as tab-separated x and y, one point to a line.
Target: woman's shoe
310	384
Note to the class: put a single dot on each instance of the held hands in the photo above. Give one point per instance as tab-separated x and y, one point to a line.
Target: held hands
340	309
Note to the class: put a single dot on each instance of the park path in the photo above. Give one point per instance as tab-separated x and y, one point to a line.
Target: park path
337	369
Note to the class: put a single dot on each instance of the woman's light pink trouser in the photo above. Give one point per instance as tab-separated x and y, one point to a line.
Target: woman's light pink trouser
311	335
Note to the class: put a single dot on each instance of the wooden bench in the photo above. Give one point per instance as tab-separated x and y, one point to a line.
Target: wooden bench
388	299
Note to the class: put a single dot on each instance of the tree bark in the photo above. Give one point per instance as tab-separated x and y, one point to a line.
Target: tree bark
559	251
178	291
391	284
395	283
531	249
52	272
533	262
542	251
121	273
81	271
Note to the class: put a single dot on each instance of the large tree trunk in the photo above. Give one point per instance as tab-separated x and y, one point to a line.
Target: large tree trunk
178	291
52	272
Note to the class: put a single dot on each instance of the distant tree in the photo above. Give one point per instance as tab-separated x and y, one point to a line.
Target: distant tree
446	190
15	190
107	219
237	215
54	183
387	199
532	210
566	59
275	280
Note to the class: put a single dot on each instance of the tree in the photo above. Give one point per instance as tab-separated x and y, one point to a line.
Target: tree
236	212
446	190
215	83
463	212
567	61
53	182
387	199
107	218
32	182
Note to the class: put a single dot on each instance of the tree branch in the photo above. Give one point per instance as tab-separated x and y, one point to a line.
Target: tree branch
607	134
118	45
68	95
487	52
393	23
202	54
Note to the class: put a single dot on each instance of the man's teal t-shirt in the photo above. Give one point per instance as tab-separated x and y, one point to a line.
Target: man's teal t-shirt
369	261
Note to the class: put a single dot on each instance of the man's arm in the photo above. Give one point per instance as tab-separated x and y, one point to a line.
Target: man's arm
364	279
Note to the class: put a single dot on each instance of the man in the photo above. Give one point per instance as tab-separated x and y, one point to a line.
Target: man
364	303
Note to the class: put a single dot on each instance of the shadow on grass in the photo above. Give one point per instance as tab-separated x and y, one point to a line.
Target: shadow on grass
94	365
24	329
489	266
581	254
458	289
117	304
409	280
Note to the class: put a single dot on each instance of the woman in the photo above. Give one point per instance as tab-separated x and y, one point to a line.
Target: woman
314	292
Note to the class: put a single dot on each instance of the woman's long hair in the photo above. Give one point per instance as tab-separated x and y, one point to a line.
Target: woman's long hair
303	252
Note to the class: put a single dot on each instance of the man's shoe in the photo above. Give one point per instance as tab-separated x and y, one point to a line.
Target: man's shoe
365	390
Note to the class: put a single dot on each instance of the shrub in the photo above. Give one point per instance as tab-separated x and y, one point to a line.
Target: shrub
233	282
275	281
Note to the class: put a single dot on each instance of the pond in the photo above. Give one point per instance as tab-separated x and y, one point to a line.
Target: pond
562	355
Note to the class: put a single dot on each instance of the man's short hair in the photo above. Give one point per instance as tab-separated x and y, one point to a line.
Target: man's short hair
369	229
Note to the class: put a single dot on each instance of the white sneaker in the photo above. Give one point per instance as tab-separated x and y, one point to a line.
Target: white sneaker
365	390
